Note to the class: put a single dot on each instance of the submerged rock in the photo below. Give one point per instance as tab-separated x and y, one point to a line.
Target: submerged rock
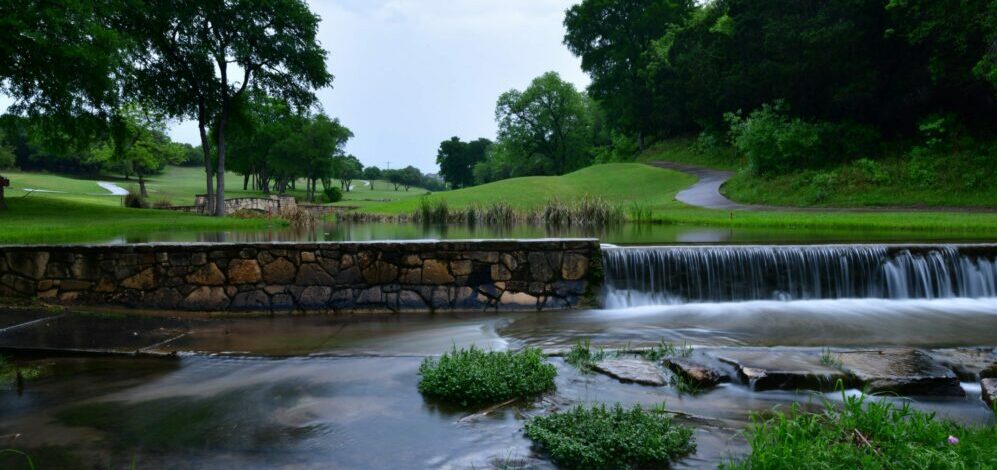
631	370
902	371
988	388
702	375
783	370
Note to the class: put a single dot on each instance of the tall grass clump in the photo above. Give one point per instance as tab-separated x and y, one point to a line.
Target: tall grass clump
582	356
135	200
867	435
472	376
663	350
588	211
610	438
638	213
298	217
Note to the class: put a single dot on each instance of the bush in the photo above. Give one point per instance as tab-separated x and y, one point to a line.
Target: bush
473	376
773	142
874	435
598	437
162	203
333	194
135	201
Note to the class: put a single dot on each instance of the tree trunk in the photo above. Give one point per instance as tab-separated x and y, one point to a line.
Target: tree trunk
640	141
220	173
141	185
245	182
206	150
3	202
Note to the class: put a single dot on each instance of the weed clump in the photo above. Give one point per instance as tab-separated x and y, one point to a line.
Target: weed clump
600	437
583	357
472	376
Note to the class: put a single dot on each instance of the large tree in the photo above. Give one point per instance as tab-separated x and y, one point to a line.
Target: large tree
612	38
201	57
547	126
457	159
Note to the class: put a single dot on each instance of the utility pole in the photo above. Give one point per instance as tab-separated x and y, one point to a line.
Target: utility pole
387	165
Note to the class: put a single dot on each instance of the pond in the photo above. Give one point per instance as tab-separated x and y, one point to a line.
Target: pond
626	234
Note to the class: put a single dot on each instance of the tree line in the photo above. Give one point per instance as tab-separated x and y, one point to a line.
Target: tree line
790	84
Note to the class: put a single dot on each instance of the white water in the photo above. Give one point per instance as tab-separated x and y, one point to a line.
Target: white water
642	276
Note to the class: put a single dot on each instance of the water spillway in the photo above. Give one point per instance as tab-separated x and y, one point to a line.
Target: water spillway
636	276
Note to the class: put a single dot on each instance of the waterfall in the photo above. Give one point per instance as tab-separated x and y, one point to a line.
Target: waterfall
667	275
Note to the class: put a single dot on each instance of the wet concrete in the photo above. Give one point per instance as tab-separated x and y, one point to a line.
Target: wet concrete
706	191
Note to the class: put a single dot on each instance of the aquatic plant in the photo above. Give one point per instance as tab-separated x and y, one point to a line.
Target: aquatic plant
473	376
600	437
587	211
829	359
866	434
684	385
639	213
663	350
582	357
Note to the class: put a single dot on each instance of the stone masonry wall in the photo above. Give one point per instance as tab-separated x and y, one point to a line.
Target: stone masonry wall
289	277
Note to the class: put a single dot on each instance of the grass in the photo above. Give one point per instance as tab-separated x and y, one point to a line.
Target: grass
867	435
663	350
603	438
684	386
472	376
582	357
59	220
829	359
9	373
587	211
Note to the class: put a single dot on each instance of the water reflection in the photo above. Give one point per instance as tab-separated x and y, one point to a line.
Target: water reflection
623	234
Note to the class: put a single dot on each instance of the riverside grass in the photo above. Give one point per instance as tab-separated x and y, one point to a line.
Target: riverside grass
653	191
472	376
867	434
598	437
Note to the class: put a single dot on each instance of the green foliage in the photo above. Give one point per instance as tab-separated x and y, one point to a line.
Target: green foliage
457	160
601	438
866	434
472	376
583	357
663	350
135	200
333	194
828	358
774	142
684	385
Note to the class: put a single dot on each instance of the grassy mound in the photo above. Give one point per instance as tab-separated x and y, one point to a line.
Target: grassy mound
601	437
473	376
873	435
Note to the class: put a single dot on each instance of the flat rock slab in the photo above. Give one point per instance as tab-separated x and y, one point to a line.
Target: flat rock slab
988	388
92	333
901	371
782	370
701	374
631	370
970	364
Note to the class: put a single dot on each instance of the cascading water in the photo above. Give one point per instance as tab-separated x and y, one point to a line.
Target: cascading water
636	276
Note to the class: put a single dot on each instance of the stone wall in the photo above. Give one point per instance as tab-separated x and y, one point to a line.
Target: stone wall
271	203
288	277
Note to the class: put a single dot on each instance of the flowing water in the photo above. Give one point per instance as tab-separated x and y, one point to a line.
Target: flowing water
341	391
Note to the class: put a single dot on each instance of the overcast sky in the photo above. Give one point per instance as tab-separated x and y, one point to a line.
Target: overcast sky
411	73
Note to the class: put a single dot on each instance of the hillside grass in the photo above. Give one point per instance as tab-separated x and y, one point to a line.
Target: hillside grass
655	189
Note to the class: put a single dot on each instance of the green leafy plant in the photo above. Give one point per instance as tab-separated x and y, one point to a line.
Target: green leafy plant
684	386
333	194
582	356
600	437
869	435
473	376
829	359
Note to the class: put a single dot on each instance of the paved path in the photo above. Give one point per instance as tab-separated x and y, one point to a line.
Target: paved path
113	188
706	191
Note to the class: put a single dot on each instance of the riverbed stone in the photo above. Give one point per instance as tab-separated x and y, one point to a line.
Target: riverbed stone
988	391
631	370
244	271
901	370
207	275
969	364
695	371
782	370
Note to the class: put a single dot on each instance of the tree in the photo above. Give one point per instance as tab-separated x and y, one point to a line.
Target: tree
347	168
139	143
612	38
395	177
371	174
546	127
310	150
410	176
458	158
199	59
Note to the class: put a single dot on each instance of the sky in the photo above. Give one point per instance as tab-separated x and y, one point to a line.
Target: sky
412	73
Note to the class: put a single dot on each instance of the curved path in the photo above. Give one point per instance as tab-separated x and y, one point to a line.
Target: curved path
706	193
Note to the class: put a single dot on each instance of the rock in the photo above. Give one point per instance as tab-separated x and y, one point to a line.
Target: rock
901	371
701	374
539	269
144	280
165	298
27	263
206	298
380	272
313	275
969	364
500	272
307	257
315	297
461	267
631	370
988	390
574	267
435	272
253	300
782	370
244	271
207	275
281	271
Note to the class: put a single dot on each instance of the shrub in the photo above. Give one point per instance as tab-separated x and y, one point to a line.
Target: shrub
333	194
473	376
162	203
773	142
135	201
873	435
598	437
